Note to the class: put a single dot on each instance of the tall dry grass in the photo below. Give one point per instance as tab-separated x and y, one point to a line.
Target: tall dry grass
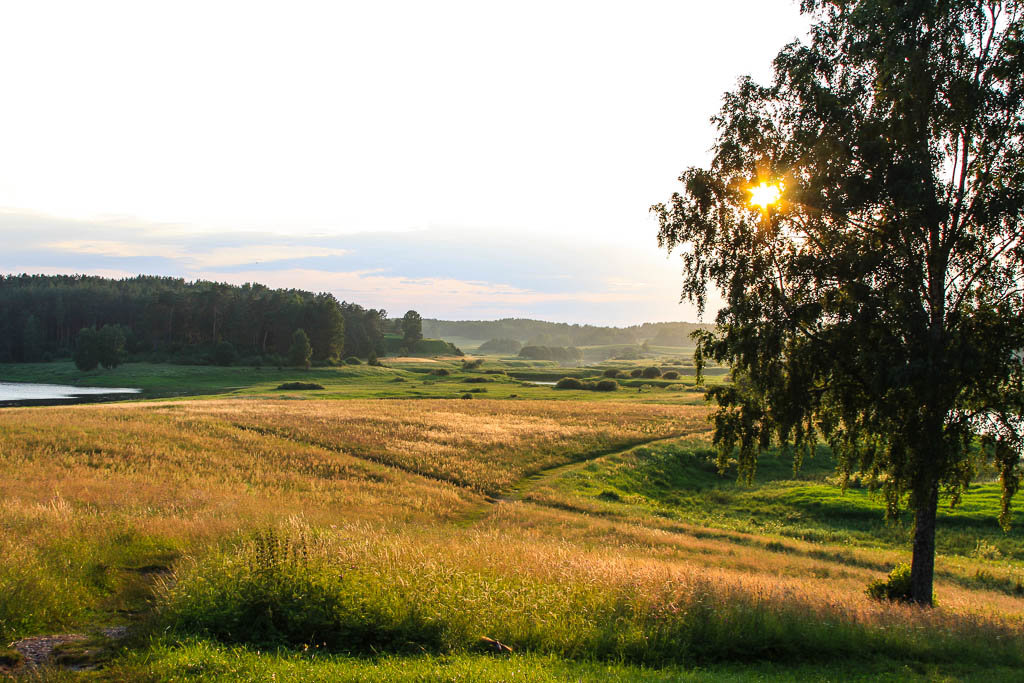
90	492
604	596
483	445
369	491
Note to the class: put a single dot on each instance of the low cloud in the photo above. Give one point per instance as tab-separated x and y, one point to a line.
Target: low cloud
443	273
217	257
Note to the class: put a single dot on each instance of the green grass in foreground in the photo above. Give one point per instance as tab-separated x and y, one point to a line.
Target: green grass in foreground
206	660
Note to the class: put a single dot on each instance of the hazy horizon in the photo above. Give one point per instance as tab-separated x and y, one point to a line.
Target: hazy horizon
467	161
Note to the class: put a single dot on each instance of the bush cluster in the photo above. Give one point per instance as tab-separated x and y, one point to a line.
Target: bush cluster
573	383
299	386
894	589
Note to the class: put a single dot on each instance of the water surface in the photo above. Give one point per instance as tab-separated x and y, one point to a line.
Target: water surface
23	391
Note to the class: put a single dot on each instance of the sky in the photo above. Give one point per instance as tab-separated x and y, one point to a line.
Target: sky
469	160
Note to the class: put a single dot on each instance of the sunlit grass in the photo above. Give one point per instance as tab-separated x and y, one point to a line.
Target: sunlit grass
547	582
152	513
83	484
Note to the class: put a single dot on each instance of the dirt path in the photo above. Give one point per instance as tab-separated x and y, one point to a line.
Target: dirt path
39	651
521	489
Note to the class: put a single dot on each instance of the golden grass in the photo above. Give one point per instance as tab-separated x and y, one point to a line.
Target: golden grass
199	469
536	570
383	480
484	445
742	561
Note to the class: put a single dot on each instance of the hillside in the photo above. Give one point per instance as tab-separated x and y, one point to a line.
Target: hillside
543	333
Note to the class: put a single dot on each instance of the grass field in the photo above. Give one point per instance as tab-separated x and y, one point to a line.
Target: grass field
258	535
399	378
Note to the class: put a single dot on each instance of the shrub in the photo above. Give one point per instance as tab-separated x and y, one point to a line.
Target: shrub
895	589
671	374
467	395
299	386
651	372
477	380
606	385
636	373
268	594
352	360
440	372
224	354
372	359
472	364
568	383
611	372
985	550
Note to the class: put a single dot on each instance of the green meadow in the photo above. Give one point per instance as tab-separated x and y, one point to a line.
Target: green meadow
383	527
443	377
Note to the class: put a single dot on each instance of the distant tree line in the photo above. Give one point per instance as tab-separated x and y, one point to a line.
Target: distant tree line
543	333
500	346
555	353
169	319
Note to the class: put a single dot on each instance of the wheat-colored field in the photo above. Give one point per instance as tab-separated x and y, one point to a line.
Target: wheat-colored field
399	493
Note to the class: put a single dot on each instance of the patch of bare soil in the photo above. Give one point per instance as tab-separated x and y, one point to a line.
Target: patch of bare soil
76	651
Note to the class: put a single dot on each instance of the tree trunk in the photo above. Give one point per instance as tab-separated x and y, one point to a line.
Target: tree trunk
922	567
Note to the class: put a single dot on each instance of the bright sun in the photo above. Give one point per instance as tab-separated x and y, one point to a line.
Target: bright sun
764	195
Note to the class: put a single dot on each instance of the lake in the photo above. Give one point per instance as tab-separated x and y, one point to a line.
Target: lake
28	394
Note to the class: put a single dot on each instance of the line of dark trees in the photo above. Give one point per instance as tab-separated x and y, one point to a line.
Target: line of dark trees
556	353
543	333
169	319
